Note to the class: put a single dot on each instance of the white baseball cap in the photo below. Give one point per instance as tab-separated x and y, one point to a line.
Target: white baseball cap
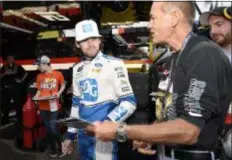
43	59
86	29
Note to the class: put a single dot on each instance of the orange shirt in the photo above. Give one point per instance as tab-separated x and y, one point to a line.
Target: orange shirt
48	84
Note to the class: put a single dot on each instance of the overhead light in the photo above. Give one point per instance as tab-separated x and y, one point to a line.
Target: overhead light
4	25
68	33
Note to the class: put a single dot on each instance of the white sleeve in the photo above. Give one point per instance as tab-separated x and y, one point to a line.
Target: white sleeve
124	92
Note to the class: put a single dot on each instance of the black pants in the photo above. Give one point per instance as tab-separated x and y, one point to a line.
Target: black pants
12	98
53	135
182	155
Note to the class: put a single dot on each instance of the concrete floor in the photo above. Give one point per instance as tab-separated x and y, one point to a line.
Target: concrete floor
8	150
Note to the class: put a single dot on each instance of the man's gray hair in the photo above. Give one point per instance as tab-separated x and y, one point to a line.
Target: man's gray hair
187	7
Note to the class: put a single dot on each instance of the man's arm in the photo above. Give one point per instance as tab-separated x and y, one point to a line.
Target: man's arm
176	131
24	74
123	89
37	94
63	84
62	88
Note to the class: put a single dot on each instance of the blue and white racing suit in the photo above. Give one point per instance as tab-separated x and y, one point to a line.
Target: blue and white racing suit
102	91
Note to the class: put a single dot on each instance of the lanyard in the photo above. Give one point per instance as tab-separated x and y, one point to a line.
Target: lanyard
50	82
186	40
176	60
171	75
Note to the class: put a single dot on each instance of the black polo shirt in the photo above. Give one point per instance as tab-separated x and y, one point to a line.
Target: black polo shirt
202	89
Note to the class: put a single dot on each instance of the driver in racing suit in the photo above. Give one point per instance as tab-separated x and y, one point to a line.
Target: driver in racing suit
101	91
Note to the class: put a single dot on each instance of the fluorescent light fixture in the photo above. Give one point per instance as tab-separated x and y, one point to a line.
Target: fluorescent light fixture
69	32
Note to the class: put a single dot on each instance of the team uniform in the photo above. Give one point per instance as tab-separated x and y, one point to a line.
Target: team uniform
101	91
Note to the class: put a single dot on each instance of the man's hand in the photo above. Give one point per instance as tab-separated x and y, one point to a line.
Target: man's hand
35	97
90	130
67	147
143	147
139	144
106	130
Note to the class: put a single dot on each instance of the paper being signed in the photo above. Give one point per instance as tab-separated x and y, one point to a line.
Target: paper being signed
73	122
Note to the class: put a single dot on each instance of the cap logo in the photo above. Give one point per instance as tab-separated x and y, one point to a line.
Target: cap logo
87	28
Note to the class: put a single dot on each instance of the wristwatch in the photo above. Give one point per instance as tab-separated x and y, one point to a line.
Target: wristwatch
121	135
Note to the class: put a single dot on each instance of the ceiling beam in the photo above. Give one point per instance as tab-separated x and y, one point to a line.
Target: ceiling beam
5	25
20	15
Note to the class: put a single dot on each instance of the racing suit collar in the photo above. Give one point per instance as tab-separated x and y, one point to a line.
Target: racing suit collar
95	58
98	55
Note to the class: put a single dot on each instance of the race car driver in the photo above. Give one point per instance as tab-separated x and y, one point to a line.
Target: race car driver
101	91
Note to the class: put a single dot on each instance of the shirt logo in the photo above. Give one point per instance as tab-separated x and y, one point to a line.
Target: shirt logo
49	83
96	70
193	96
79	69
118	69
89	89
121	75
119	113
99	65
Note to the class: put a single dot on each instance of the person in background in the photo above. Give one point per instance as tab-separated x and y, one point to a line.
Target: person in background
12	77
220	22
50	83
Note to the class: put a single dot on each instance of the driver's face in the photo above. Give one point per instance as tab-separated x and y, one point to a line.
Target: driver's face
90	47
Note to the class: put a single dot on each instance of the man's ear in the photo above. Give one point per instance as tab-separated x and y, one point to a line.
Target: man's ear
77	44
176	16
